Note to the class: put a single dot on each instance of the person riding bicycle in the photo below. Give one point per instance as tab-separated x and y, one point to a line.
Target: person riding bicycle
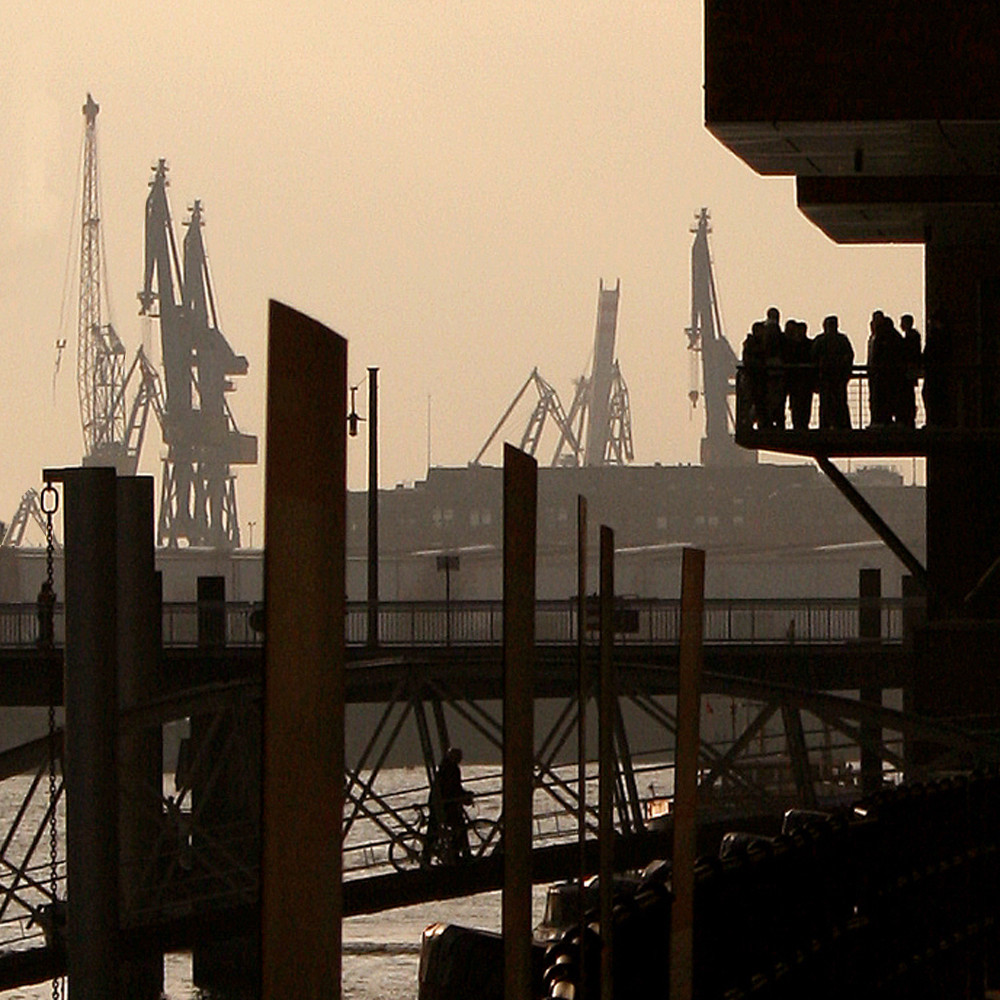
445	808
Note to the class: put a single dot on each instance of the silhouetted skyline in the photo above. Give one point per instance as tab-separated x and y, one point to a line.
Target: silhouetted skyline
443	185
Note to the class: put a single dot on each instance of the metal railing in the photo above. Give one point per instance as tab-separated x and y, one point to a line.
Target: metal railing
638	621
944	397
762	388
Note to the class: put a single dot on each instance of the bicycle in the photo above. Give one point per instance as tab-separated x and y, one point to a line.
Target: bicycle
409	850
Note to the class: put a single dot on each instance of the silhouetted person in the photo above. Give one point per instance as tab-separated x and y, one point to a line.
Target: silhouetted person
800	374
938	401
755	374
906	412
885	369
446	806
774	362
834	358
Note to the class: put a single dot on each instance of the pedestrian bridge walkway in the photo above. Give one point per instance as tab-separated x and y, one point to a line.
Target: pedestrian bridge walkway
637	621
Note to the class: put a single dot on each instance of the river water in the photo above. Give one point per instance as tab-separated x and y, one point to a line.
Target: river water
380	951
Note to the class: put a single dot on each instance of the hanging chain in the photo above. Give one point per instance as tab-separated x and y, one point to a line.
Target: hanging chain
46	640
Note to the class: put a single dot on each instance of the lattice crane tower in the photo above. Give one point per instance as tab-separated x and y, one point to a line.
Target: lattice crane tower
100	355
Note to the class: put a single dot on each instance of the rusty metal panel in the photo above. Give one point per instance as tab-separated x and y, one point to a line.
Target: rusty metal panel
303	746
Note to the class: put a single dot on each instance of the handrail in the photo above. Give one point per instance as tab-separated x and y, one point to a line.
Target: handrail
638	622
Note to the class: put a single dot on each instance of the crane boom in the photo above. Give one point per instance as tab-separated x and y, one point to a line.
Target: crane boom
100	353
198	488
718	361
602	376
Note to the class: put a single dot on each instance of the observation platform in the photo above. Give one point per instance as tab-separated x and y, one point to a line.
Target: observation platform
969	417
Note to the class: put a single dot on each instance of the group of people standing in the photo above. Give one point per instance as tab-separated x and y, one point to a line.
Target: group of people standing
894	360
783	368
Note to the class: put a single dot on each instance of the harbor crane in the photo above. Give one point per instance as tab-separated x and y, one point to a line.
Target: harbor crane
113	429
198	487
597	430
718	361
100	354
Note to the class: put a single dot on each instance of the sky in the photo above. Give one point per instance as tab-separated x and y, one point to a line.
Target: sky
443	183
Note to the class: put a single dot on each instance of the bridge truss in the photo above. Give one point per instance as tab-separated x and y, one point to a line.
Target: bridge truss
783	747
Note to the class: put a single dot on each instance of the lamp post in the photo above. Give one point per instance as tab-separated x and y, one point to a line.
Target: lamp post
447	563
251	525
353	419
372	507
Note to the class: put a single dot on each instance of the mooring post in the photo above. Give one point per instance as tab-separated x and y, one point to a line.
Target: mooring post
226	968
141	752
686	774
90	688
606	762
305	598
520	505
870	629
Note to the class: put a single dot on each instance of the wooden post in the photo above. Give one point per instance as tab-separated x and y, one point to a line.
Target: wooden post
581	728
686	774
606	762
303	746
870	628
520	504
91	734
141	753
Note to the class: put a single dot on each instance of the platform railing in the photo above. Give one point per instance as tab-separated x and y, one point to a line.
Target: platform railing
758	389
946	398
638	622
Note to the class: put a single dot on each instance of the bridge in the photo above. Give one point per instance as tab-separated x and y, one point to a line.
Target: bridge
777	738
800	641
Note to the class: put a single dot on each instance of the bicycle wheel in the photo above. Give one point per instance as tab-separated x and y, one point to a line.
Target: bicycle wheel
406	851
484	836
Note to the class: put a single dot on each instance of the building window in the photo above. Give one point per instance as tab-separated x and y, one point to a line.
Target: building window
661	523
474	518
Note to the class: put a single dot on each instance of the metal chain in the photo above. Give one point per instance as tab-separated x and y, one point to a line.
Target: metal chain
46	609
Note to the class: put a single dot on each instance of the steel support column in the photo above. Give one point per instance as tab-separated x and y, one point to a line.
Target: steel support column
305	599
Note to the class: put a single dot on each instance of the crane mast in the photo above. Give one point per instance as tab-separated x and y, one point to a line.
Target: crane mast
718	362
198	488
100	353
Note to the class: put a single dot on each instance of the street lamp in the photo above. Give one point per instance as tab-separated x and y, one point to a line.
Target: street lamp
447	563
251	525
353	419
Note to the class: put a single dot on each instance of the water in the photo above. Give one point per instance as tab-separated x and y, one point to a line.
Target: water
380	953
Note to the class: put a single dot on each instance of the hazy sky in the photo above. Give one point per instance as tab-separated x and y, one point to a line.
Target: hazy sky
442	183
